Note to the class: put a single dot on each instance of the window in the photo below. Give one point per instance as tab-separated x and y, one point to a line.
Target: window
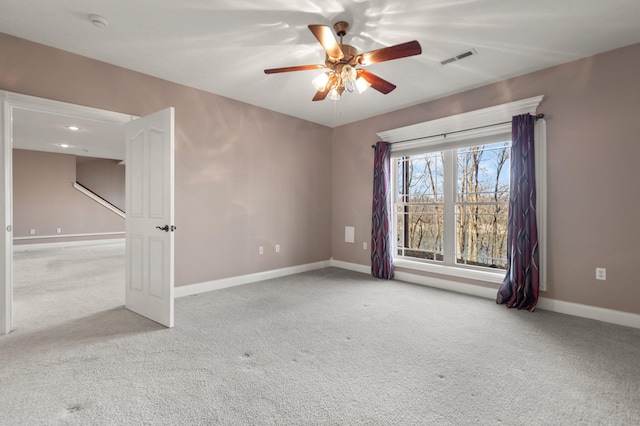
450	185
476	210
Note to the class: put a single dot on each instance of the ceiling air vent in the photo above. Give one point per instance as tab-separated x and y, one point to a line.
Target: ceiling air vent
459	56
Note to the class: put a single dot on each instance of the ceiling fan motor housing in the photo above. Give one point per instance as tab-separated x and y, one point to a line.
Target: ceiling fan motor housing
349	58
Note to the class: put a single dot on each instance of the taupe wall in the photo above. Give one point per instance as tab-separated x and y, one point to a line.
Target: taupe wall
593	135
245	176
44	199
104	177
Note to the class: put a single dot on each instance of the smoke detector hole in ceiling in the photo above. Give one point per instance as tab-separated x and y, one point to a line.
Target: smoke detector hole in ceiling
98	21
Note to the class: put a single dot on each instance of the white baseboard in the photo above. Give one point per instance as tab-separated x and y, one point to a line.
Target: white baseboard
585	311
191	289
350	266
58	236
612	316
473	290
59	244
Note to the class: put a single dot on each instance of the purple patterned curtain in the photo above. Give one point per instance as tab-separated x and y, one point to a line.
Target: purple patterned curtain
381	244
520	286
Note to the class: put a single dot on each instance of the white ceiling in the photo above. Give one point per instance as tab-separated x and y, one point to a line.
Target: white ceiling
223	46
43	131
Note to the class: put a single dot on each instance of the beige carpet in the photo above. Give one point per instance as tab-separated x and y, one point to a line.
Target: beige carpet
328	347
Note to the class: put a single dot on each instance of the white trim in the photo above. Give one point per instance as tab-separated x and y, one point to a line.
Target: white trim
488	134
540	134
469	120
6	214
98	200
356	267
450	172
458	271
65	109
473	290
94	234
611	316
61	244
191	289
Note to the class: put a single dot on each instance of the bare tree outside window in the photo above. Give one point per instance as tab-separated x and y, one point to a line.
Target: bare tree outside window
482	199
481	202
420	214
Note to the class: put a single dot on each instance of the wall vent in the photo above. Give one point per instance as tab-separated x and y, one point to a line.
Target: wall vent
459	56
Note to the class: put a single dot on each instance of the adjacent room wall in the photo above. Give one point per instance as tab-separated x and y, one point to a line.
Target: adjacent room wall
245	177
591	107
44	199
103	177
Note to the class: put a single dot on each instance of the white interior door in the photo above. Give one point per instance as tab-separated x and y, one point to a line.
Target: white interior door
150	216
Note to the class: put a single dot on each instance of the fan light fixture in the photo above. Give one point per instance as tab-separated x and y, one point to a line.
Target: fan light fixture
336	83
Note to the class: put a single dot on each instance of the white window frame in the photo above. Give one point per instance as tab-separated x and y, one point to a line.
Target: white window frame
474	127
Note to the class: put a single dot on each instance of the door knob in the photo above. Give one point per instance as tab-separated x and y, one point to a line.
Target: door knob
163	228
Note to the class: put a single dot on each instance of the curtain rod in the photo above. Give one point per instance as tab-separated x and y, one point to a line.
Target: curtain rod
537	117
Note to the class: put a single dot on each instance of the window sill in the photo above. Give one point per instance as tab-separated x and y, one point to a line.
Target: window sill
459	272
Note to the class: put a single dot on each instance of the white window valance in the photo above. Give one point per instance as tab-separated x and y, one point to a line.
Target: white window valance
477	124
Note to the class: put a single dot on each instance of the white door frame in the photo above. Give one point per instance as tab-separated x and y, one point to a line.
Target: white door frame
9	101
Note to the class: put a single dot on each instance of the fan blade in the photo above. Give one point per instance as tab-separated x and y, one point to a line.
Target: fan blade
327	40
320	95
381	85
298	68
398	51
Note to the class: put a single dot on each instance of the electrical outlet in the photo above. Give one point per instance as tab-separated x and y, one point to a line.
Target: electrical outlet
32	231
364	246
260	250
601	274
58	230
277	248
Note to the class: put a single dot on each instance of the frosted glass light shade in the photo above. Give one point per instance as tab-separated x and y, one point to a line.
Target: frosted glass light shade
348	74
320	82
362	84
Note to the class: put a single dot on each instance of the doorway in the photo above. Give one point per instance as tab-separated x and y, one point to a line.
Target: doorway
9	104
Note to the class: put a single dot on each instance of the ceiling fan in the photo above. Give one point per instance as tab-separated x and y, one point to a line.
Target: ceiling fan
342	60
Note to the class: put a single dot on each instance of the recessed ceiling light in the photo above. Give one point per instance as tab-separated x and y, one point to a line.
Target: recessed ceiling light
63	145
74	128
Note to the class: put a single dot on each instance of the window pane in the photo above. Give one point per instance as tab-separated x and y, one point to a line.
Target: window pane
483	172
420	206
420	228
482	235
420	178
481	204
